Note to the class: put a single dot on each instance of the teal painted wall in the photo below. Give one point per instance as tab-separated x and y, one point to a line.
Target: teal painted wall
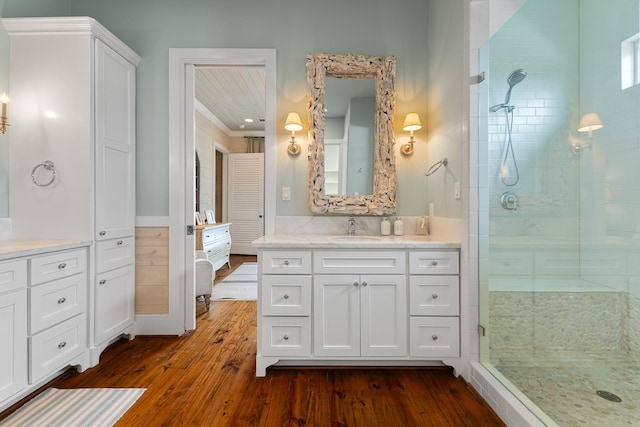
295	28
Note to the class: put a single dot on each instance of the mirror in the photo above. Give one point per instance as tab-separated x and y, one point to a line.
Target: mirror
382	69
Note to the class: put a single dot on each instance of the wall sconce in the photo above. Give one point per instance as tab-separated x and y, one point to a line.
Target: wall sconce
293	124
4	118
411	123
588	123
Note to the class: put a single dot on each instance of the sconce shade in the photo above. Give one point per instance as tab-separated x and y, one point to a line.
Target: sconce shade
412	122
293	122
589	123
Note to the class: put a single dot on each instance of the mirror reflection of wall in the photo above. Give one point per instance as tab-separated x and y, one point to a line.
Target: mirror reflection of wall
349	136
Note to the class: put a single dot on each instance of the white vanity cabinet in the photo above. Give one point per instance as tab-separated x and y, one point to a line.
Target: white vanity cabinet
85	124
43	317
389	302
360	308
434	304
13	332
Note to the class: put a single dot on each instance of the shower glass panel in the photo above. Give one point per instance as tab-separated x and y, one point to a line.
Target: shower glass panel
560	265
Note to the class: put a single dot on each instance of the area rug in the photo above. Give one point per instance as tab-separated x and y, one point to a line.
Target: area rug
242	284
80	407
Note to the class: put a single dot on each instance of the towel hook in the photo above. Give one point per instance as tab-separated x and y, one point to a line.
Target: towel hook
436	166
47	166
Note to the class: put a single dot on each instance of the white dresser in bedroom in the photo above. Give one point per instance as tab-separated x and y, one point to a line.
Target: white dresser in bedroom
215	240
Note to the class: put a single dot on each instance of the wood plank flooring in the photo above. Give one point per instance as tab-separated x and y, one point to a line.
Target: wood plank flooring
207	378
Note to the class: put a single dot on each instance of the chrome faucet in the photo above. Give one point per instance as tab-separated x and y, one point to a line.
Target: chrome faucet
351	229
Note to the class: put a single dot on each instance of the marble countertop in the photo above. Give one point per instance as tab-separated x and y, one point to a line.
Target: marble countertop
324	241
20	248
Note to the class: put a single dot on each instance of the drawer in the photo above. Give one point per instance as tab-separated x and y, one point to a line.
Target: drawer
215	234
55	347
286	262
57	265
434	262
286	336
434	296
216	248
286	295
114	253
369	262
13	275
434	337
56	301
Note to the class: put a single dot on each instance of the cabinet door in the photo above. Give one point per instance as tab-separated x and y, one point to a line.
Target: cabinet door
13	336
115	144
336	315
114	302
383	328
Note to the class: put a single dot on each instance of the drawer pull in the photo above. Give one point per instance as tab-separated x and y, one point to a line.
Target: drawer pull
356	284
434	296
62	266
102	282
286	337
286	262
103	233
434	337
286	296
119	242
62	300
62	345
434	263
364	283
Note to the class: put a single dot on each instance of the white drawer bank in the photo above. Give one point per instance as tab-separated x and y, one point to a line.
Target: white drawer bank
43	307
368	301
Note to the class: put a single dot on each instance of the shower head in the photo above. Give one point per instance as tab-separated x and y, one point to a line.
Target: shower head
514	78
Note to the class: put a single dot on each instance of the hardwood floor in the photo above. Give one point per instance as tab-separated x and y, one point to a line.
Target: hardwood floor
207	378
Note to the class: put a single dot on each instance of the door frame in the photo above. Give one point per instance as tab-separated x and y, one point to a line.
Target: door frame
182	61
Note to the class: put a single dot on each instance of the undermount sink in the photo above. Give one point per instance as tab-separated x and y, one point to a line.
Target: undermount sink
353	238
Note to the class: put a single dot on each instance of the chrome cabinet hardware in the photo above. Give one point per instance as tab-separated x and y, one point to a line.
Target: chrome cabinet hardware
63	344
62	300
434	337
102	282
286	296
62	266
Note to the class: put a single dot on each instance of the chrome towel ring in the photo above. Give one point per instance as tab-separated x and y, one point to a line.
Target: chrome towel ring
47	166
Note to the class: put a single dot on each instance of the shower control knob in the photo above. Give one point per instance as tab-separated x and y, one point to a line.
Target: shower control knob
509	200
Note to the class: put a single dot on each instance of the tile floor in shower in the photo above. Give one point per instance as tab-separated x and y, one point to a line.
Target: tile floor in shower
564	385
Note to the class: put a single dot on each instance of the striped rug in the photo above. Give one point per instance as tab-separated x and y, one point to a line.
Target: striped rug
242	284
81	407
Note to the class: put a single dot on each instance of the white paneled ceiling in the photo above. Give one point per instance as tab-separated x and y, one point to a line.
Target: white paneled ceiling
233	94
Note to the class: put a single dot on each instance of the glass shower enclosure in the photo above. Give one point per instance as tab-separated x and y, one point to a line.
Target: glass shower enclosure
560	265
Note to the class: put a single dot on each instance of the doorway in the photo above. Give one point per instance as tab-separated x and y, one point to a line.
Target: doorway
182	151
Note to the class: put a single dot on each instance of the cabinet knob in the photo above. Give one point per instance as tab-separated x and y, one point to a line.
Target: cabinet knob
62	266
286	337
61	345
434	263
102	282
286	262
434	296
434	337
364	283
103	233
356	284
286	296
119	242
62	300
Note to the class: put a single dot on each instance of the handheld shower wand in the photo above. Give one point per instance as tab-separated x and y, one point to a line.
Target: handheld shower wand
513	79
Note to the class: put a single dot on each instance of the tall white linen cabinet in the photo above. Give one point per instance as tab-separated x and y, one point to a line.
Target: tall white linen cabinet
72	90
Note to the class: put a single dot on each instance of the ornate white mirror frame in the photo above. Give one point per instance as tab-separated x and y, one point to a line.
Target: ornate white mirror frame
383	70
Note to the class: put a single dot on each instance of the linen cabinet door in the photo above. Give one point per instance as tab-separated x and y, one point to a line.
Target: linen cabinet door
336	315
384	315
114	302
115	144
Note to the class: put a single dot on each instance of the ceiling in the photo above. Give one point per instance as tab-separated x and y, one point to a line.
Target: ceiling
233	94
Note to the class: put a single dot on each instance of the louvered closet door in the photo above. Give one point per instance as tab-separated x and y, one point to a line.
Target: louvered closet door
245	201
